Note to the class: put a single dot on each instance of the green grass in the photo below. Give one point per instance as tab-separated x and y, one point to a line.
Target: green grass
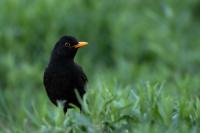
107	107
142	63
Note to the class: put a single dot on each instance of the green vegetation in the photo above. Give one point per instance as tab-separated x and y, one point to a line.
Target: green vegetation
142	63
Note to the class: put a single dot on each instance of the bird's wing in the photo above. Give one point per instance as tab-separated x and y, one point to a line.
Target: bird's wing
80	80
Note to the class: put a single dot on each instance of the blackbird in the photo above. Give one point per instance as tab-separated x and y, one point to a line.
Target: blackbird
62	75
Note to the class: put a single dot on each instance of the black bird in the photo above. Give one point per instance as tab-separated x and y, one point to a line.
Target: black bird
62	75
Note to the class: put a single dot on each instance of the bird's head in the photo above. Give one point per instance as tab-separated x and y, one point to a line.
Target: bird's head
67	46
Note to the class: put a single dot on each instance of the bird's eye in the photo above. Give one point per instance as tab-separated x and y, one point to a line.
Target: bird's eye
67	44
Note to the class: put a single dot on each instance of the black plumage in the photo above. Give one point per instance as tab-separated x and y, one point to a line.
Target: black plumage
62	75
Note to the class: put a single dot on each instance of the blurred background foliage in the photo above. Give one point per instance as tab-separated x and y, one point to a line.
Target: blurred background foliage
132	41
125	36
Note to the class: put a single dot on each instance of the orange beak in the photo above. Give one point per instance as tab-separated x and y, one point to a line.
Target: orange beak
80	44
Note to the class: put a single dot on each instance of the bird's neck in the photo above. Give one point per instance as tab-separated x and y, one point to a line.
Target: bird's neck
60	61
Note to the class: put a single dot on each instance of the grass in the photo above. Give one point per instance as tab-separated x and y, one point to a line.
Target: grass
107	107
